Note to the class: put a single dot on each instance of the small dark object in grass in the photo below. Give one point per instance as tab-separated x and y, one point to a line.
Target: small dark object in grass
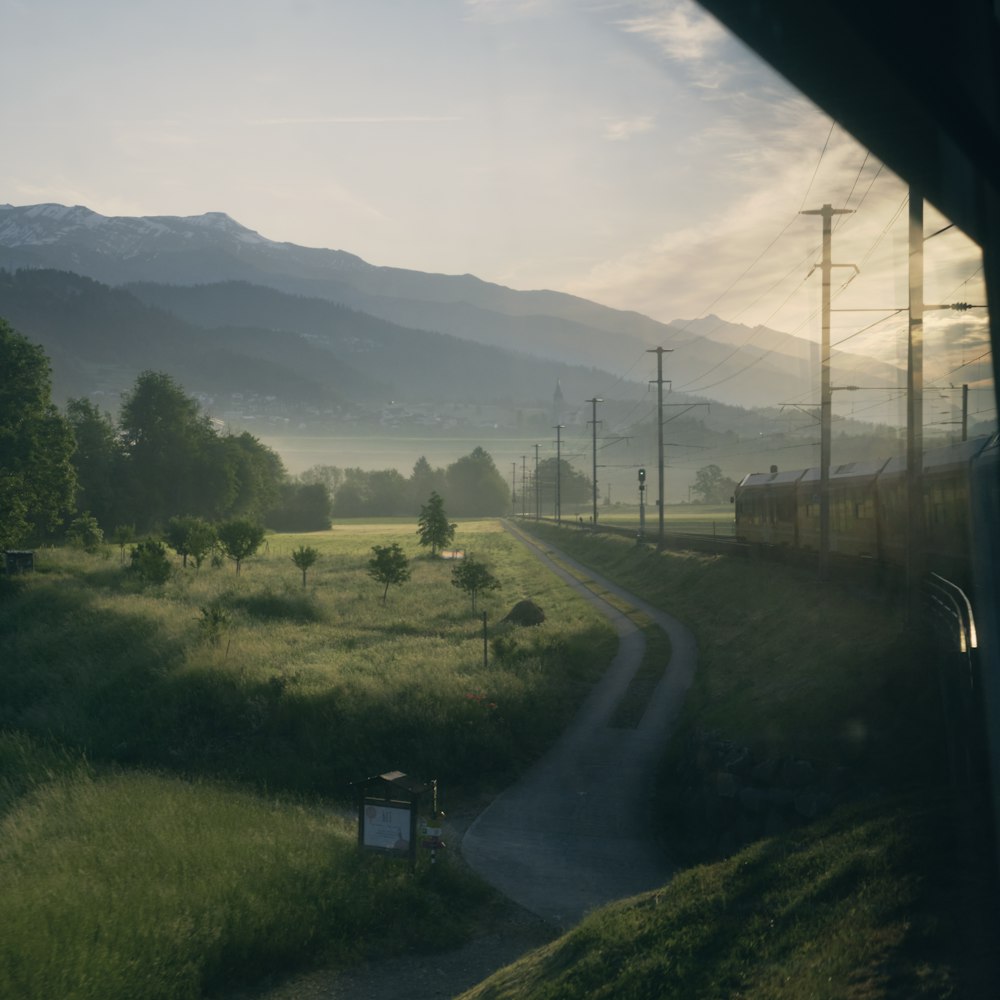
525	613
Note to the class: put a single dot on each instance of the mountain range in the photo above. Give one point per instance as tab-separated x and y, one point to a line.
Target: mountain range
392	332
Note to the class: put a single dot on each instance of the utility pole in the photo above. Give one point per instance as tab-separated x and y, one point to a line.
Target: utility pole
827	212
524	489
559	428
659	352
536	482
642	504
915	405
593	421
513	489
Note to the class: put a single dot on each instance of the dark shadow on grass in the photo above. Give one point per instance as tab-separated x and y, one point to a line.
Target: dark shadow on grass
272	605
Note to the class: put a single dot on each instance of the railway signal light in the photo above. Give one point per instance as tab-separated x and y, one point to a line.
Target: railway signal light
642	475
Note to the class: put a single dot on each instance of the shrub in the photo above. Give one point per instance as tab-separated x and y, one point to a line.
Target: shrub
150	562
84	532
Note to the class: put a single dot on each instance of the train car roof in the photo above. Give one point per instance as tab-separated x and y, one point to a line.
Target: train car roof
939	459
788	478
848	470
935	459
961	452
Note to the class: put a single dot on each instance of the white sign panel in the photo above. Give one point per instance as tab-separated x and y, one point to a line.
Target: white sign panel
387	827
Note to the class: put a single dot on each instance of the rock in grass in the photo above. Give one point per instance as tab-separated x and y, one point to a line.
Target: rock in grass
525	613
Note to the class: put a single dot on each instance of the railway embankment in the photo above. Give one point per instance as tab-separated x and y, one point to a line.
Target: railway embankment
730	797
807	795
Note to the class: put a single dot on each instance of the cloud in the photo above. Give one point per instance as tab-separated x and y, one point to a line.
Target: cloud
359	120
620	130
680	30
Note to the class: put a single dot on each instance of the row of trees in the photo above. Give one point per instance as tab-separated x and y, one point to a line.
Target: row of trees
473	484
83	471
163	458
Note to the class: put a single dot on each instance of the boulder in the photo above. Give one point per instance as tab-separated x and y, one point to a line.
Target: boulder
525	613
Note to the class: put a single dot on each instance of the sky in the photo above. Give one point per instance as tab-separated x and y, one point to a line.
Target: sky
632	152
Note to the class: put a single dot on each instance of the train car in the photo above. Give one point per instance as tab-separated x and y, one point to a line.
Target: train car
891	512
765	508
853	509
946	497
945	501
868	508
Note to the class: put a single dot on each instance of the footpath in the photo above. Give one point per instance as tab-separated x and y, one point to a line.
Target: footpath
575	832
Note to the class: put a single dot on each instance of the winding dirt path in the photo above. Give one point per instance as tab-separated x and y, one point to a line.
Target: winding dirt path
575	831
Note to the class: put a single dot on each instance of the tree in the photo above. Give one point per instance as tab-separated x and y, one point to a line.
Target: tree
389	565
177	465
304	557
256	475
85	533
176	536
150	562
239	539
378	493
387	494
423	481
190	536
201	540
330	476
712	486
303	507
175	462
475	487
574	486
97	460
433	526
474	578
37	479
124	534
351	498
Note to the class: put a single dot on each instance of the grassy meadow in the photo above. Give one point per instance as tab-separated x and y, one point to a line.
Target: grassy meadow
175	762
883	898
175	758
786	663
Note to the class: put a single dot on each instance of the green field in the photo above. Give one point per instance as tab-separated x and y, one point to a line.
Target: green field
176	760
884	897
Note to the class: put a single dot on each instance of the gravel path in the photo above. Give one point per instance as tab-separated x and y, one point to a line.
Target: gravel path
573	834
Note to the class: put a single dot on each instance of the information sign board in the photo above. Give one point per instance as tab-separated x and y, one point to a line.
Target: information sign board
386	827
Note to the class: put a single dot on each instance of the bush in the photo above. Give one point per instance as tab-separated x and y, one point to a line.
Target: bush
150	562
84	532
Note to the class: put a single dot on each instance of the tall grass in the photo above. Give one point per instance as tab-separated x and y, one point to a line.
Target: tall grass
133	885
884	897
257	679
829	912
169	755
786	663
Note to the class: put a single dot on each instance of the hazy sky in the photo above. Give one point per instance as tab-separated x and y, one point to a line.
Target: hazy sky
629	152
